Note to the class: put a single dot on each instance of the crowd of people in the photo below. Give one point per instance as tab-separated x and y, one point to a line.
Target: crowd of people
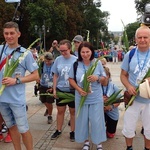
112	54
63	70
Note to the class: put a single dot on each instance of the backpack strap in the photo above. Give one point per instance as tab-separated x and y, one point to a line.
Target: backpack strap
2	50
42	65
131	54
75	65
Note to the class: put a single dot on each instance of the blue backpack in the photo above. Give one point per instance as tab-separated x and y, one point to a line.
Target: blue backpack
131	54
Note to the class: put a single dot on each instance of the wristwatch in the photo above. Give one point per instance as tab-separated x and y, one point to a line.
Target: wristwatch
18	81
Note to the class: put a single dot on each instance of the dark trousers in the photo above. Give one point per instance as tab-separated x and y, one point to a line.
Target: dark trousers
111	124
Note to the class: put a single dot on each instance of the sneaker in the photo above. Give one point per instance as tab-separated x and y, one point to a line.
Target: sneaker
72	139
129	148
8	138
1	137
99	147
69	123
4	128
110	135
55	135
142	130
46	112
50	119
26	107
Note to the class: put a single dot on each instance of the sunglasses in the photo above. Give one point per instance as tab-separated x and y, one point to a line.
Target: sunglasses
76	42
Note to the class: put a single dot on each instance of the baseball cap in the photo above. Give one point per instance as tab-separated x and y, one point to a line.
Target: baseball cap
48	56
78	38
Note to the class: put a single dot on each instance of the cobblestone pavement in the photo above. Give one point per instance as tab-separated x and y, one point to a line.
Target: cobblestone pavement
41	131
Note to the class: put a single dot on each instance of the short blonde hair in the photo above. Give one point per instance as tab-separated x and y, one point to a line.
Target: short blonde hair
103	61
107	71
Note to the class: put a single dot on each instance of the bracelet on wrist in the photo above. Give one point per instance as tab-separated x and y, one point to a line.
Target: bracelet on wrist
98	79
112	106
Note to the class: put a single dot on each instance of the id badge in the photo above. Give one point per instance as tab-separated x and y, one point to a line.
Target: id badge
50	84
139	80
90	89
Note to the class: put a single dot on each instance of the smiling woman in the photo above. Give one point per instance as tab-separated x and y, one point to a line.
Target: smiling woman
88	97
61	68
65	48
62	51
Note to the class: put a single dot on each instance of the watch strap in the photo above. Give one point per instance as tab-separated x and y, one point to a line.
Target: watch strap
18	81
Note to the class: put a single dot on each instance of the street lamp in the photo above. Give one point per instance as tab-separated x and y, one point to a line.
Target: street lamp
43	28
39	30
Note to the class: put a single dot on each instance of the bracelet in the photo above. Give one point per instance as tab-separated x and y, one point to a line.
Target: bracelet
98	79
112	106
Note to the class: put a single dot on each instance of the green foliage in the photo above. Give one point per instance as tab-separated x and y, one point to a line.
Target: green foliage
86	84
64	19
125	38
147	75
6	14
140	5
113	98
130	29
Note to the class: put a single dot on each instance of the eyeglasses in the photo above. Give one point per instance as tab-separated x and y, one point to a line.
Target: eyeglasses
63	51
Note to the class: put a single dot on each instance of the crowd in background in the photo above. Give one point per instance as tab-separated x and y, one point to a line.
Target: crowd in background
110	53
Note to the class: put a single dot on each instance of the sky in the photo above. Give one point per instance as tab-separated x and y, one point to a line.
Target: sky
119	10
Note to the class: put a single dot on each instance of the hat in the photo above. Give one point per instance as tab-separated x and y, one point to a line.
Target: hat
144	89
78	38
48	55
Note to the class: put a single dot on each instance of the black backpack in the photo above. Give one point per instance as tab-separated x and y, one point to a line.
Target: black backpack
75	65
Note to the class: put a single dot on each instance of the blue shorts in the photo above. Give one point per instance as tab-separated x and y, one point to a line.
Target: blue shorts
15	114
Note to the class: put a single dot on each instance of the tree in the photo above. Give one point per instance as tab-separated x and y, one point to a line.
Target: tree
95	21
6	13
131	29
64	19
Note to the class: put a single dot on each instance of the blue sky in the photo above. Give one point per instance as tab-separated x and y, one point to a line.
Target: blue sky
119	10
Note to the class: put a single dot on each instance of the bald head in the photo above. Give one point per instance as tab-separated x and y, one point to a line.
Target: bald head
142	29
142	37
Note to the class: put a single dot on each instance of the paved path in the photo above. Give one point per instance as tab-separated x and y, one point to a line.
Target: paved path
42	132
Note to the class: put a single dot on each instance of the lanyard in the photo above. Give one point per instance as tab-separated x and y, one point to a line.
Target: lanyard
105	92
5	50
48	70
145	60
85	70
2	50
9	56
